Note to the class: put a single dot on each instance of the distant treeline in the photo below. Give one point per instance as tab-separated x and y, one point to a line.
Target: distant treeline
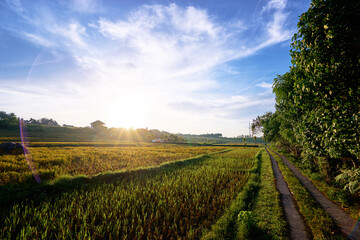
42	121
47	129
10	120
213	138
217	135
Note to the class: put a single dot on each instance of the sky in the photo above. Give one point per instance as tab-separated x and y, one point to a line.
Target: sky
180	66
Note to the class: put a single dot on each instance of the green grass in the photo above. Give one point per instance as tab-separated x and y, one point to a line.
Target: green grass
267	209
330	189
256	212
181	199
319	222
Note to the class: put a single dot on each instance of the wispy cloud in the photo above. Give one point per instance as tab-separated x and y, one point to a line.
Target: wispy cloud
74	32
85	6
276	28
164	53
265	85
38	40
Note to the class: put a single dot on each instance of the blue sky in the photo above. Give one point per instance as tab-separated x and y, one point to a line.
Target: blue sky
179	66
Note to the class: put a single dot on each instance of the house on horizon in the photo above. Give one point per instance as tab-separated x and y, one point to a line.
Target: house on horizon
158	140
97	124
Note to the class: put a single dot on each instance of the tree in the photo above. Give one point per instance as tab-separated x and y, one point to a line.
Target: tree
256	126
8	120
288	114
326	73
318	100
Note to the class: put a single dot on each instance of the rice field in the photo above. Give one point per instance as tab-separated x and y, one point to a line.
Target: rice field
53	160
177	200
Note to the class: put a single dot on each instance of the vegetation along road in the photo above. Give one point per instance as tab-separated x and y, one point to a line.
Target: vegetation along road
347	225
298	228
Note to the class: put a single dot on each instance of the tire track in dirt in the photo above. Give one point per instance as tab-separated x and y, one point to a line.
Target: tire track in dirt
348	226
297	225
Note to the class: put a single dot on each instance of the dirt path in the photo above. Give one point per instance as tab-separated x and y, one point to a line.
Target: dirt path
298	228
348	226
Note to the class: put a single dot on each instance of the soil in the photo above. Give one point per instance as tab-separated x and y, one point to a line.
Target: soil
349	227
297	225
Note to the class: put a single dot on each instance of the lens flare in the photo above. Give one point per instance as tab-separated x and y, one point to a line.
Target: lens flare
355	234
23	130
25	144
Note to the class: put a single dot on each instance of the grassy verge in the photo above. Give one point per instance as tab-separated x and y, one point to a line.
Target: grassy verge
255	213
329	188
268	210
320	223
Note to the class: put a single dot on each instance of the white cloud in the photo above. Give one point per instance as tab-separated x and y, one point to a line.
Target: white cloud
275	4
73	33
38	39
165	54
85	6
276	28
16	6
265	85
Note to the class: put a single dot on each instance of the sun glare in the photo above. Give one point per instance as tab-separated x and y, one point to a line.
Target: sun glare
127	113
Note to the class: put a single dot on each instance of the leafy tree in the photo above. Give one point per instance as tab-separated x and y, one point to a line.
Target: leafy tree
8	120
318	100
325	78
43	121
288	114
48	121
256	126
271	126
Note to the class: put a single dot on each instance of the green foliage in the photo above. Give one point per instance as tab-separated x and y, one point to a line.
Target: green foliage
318	220
42	121
271	223
351	179
229	226
247	221
256	126
270	125
326	91
317	101
332	189
8	120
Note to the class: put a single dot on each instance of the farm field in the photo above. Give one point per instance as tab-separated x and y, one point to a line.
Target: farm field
180	120
180	199
53	160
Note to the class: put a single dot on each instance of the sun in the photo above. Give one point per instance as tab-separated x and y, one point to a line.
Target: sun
127	113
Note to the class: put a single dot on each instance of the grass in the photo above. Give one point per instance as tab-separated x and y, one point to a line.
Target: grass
330	189
319	222
267	209
181	200
256	212
55	161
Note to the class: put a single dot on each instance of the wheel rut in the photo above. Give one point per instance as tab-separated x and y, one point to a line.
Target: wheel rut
348	226
297	225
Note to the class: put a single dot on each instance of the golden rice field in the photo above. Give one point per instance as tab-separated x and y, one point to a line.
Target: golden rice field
179	200
55	159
